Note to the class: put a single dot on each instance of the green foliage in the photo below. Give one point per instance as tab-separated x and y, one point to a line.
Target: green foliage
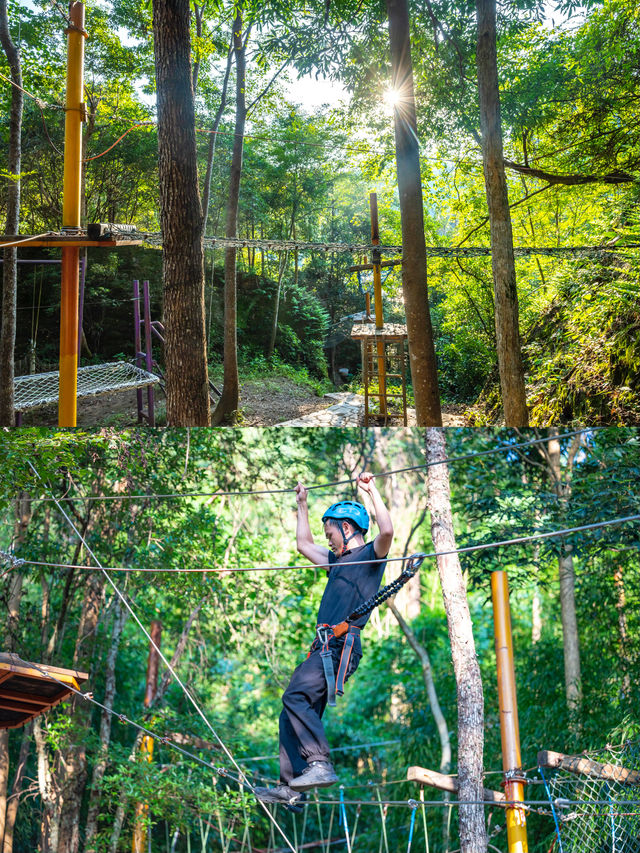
252	628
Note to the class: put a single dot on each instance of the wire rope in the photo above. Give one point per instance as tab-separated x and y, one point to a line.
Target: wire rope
27	240
238	493
485	546
167	663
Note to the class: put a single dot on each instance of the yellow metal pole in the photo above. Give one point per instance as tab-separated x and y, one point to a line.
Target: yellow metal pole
139	840
74	116
509	730
377	296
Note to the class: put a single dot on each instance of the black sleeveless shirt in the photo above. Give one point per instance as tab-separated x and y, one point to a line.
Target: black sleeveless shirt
350	585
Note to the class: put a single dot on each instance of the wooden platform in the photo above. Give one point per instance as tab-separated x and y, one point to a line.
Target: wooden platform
26	692
389	332
62	240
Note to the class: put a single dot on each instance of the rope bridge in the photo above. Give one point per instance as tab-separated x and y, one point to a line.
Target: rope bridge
595	798
40	389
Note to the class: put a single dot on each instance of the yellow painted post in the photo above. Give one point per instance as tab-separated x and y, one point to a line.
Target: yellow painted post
509	729
74	116
139	840
377	296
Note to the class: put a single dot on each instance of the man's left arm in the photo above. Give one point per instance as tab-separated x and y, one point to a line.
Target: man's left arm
382	542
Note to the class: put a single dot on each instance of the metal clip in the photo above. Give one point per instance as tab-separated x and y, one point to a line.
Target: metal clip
414	562
323	633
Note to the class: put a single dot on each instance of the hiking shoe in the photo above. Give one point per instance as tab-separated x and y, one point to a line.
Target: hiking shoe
318	774
281	795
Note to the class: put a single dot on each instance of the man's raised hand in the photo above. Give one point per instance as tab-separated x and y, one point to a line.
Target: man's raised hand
366	482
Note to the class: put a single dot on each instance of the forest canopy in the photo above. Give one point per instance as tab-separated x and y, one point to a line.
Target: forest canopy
571	151
235	634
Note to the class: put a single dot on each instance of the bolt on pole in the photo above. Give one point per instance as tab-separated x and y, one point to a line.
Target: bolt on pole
72	180
509	729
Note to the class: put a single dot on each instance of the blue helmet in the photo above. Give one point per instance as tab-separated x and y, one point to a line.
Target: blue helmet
348	511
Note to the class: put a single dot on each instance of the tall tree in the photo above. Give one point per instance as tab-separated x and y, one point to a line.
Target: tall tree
473	836
181	219
422	354
10	265
560	473
509	352
228	402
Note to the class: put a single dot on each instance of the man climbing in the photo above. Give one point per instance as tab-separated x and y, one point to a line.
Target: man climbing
355	570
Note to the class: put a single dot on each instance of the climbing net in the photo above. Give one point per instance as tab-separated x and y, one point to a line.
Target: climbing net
39	389
595	800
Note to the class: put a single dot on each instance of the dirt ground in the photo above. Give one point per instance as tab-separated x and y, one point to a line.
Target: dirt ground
263	403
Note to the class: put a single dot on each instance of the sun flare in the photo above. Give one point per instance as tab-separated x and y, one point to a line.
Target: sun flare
391	98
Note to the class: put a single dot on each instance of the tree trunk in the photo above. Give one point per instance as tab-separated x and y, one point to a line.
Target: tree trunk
16	790
228	402
48	792
276	308
167	678
430	687
213	136
561	480
422	356
105	727
73	768
509	352
621	603
181	220
10	265
4	778
8	811
473	838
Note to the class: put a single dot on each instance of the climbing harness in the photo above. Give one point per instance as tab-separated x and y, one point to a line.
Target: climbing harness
324	632
335	684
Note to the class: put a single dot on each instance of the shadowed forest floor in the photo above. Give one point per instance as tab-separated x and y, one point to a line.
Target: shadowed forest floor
265	402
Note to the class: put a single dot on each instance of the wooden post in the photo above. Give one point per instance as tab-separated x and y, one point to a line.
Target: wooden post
377	296
509	730
139	841
74	116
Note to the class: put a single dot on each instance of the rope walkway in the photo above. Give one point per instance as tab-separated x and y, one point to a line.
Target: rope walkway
41	389
155	239
465	550
476	454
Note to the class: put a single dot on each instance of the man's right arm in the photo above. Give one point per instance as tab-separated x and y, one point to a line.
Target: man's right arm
304	539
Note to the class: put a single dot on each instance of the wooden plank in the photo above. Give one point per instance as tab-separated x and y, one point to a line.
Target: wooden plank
447	783
389	332
21	707
580	765
20	697
13	663
58	241
4	676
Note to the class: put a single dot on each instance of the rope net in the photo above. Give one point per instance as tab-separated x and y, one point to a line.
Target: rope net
39	389
607	784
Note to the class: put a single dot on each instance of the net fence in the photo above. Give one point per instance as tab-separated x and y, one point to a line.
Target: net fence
39	389
595	799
